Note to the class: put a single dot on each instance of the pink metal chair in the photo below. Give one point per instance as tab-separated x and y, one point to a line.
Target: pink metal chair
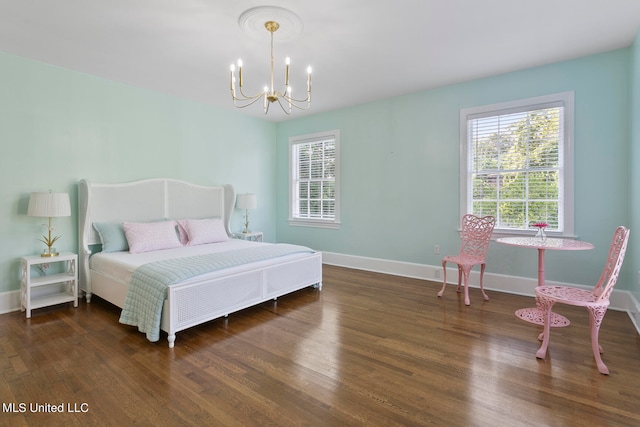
476	236
596	300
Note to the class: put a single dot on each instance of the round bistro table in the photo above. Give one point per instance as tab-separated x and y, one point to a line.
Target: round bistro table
534	314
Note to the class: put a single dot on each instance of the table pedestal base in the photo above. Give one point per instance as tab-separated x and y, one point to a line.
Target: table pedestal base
534	315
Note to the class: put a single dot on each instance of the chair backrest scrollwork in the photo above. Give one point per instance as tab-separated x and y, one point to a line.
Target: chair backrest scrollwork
611	270
476	235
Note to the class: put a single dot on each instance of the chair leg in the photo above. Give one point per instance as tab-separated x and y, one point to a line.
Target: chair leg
484	295
545	305
444	278
540	308
466	284
460	274
596	314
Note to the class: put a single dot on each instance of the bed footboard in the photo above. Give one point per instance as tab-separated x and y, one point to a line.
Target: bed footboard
192	304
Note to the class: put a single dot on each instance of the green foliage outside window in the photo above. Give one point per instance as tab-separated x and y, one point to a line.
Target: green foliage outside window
516	167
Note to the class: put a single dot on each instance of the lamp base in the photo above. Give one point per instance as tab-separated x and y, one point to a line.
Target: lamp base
51	252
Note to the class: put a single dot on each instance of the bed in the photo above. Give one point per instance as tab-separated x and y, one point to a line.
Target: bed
239	282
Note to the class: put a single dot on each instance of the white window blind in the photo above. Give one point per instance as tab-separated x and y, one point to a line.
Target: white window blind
516	165
314	191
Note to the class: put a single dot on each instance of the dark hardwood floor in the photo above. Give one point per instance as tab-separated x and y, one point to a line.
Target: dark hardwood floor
369	349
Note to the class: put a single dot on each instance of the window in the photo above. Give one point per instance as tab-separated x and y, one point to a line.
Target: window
313	183
517	163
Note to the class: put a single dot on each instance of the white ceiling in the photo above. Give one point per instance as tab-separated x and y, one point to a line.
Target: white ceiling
360	50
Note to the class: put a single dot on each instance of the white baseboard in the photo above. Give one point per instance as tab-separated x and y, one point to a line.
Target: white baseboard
620	300
634	311
9	301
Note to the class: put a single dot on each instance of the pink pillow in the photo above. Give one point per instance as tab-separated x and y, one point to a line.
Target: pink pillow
151	236
201	231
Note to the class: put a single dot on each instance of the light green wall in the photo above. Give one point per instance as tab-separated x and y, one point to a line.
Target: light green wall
58	126
634	159
400	172
400	168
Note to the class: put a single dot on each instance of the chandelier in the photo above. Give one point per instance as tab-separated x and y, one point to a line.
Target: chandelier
269	94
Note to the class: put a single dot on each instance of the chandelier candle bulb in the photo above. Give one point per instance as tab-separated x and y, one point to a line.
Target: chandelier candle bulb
287	61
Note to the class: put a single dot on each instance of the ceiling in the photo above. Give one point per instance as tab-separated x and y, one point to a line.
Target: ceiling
360	50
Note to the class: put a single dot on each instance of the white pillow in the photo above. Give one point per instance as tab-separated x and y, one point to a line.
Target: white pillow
151	236
201	231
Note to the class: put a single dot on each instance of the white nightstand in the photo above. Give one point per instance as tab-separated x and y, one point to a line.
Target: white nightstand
254	236
58	287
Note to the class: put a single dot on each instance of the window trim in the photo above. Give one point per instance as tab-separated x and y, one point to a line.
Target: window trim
567	101
308	222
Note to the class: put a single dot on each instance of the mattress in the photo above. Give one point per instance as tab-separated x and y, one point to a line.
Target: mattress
121	265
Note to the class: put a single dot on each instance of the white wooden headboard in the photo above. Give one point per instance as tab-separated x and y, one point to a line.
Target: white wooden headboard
146	200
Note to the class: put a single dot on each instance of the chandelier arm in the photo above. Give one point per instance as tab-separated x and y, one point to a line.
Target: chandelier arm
293	100
283	108
296	102
253	101
246	97
293	104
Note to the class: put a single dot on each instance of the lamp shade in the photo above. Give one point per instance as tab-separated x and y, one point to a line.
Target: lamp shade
49	204
247	201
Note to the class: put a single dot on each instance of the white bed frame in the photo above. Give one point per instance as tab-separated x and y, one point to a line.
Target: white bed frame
194	302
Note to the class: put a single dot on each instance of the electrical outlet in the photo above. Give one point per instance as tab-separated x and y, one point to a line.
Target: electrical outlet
436	273
436	249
